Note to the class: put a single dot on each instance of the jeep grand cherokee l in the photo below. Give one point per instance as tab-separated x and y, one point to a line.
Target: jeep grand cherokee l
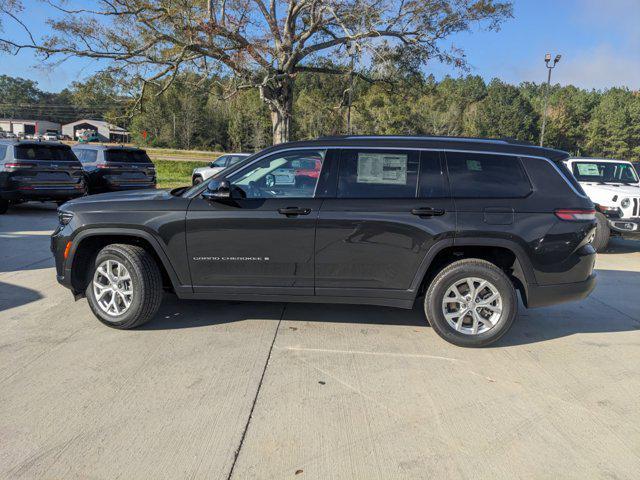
460	224
110	168
38	171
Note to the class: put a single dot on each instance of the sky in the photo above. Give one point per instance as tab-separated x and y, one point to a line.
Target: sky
599	41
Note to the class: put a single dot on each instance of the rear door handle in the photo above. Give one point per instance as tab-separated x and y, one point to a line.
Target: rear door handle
294	211
427	212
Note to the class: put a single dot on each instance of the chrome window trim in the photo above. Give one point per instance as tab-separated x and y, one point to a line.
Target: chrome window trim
425	149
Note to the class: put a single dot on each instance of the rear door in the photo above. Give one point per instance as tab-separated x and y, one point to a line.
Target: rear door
390	207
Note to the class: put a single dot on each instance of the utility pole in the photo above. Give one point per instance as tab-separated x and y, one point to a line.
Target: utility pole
547	61
352	52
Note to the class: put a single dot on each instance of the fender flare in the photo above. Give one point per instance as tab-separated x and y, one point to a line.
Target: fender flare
125	232
523	269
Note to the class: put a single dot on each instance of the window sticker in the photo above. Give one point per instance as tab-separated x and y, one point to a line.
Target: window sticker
382	168
474	166
588	169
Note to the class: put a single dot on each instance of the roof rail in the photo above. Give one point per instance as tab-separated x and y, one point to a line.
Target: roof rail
508	140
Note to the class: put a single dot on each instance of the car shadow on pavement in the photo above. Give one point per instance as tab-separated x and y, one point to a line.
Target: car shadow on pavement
591	315
621	246
12	296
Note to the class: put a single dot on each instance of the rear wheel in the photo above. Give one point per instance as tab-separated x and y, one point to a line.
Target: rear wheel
471	303
603	233
4	206
125	287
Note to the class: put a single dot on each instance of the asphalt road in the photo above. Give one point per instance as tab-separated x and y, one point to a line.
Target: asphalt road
211	390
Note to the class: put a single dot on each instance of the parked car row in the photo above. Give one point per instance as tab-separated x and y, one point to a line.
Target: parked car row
53	171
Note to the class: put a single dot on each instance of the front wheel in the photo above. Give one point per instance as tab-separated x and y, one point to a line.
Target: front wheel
4	206
603	233
471	303
125	287
197	180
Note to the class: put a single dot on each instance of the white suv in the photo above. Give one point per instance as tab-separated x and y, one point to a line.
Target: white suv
201	174
614	188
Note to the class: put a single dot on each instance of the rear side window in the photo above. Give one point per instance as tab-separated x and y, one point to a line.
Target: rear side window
477	175
378	173
44	152
3	151
127	156
87	156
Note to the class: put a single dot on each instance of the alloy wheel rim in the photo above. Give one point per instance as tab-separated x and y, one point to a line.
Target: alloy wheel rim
112	288
472	305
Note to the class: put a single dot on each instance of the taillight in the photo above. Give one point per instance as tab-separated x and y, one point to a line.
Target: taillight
18	166
102	165
573	215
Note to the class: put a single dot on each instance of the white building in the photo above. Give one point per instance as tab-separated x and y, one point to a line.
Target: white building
28	127
105	131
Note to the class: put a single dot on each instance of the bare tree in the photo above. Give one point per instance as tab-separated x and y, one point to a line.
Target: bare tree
259	44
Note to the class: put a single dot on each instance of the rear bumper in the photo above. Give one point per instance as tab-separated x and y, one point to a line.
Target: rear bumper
545	295
42	192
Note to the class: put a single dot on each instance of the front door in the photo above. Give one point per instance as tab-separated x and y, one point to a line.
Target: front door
261	240
392	206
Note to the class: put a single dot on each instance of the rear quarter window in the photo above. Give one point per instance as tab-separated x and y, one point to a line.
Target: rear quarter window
478	175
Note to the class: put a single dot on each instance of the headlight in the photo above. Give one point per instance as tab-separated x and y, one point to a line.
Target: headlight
625	203
64	217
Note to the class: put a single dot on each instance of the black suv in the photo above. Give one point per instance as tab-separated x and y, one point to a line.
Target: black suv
38	171
464	223
112	168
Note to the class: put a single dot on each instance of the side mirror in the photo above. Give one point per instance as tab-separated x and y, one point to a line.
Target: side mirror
217	189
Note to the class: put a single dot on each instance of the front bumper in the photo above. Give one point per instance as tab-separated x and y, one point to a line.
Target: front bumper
629	228
545	295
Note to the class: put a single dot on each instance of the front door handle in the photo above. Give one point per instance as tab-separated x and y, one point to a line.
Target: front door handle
427	212
294	211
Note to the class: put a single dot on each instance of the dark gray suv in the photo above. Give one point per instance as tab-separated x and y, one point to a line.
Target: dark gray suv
461	225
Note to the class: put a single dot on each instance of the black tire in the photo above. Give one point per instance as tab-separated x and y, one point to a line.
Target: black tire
603	233
456	271
4	206
197	180
146	285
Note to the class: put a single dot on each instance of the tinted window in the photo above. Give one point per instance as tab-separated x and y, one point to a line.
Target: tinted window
3	151
233	159
220	162
432	178
605	172
44	152
86	156
477	175
378	174
280	176
127	156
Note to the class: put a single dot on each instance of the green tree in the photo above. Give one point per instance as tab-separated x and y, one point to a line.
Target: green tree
504	112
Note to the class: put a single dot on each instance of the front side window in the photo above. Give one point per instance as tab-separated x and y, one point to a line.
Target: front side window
282	175
127	156
219	162
604	172
479	175
378	173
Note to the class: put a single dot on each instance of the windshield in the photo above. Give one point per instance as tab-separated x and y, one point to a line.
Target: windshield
127	156
605	172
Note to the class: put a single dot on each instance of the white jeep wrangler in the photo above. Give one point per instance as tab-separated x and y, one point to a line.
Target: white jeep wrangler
613	186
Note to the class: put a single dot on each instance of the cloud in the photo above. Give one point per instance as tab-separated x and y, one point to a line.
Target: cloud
602	67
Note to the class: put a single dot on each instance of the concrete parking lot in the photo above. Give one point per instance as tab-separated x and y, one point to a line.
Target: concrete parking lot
212	390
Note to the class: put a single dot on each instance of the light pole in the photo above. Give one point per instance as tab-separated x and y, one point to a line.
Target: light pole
351	50
547	61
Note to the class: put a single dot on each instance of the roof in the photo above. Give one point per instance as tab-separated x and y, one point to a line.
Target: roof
450	143
22	120
97	123
610	160
87	146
